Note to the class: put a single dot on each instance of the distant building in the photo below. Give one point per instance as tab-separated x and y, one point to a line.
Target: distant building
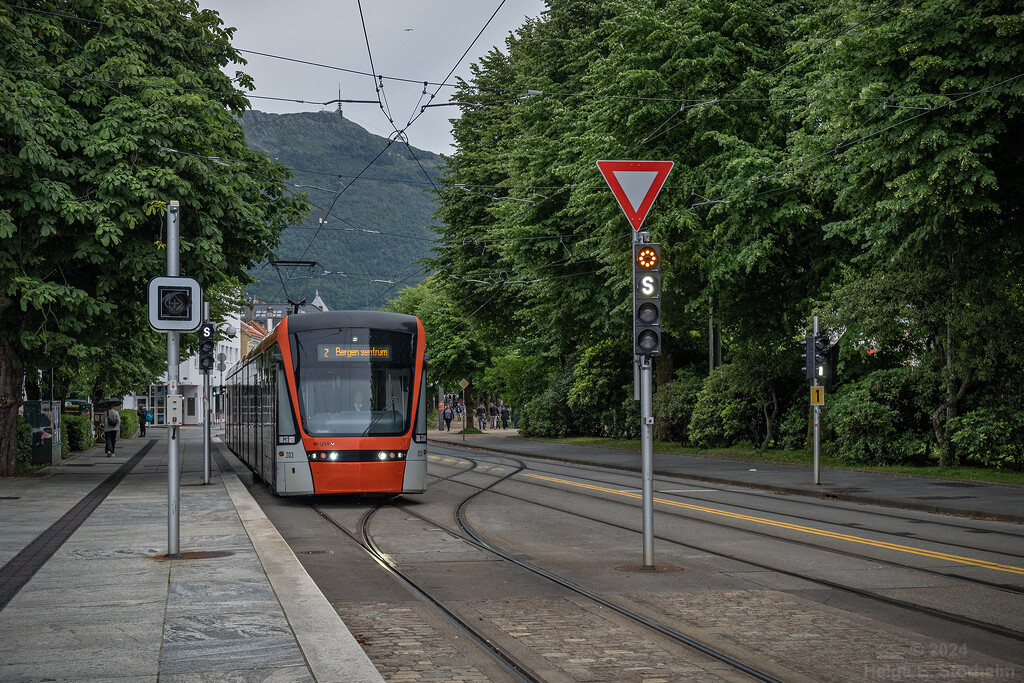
190	380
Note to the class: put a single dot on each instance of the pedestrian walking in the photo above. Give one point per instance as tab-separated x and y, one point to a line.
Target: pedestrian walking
481	416
110	426
448	415
493	410
504	416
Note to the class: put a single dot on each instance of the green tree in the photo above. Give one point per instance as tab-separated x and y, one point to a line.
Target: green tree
109	108
456	351
911	130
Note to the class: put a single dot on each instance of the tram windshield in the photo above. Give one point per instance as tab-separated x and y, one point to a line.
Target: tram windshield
355	381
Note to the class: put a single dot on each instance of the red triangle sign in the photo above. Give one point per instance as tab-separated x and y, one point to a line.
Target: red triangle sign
636	185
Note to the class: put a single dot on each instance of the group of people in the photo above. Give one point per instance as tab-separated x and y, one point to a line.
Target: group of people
491	414
486	416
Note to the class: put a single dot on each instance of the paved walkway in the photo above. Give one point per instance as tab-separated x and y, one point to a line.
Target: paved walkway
925	494
87	595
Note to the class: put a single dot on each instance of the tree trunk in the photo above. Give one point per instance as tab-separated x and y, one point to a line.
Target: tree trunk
12	373
947	455
769	419
714	336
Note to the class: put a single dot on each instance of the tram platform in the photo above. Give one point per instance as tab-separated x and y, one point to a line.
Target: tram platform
957	497
87	594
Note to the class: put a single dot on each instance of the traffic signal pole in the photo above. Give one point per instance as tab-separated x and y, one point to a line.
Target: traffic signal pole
817	415
647	457
636	185
206	410
173	344
646	344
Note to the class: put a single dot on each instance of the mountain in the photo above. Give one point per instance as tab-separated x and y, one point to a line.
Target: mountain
378	225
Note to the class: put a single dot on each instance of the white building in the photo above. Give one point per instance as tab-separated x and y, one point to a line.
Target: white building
190	379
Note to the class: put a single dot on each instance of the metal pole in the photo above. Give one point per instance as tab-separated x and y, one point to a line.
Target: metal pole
173	465
206	410
647	457
817	414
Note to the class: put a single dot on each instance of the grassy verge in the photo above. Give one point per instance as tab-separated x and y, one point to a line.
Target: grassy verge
806	458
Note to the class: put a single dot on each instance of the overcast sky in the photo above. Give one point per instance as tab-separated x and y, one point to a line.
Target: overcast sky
420	40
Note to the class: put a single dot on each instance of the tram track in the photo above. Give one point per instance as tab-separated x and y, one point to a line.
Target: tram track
589	472
506	659
961	620
512	665
858	528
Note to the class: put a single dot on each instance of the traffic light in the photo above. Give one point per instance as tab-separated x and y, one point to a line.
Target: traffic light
821	355
207	346
175	303
646	299
808	357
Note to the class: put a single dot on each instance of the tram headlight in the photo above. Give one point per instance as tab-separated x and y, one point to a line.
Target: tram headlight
383	455
334	455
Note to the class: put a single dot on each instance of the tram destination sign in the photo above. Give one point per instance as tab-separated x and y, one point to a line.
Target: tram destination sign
338	352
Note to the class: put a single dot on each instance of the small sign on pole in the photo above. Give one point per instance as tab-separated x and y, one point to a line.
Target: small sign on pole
817	396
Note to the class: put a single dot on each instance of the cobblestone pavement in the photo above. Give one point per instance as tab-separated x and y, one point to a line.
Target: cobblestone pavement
583	642
404	647
578	642
821	642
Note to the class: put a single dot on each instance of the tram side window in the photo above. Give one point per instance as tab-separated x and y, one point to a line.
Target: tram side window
285	419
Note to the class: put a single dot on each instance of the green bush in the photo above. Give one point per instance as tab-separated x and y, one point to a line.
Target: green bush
24	455
65	447
78	435
884	417
622	422
991	437
793	428
723	415
673	406
549	414
129	423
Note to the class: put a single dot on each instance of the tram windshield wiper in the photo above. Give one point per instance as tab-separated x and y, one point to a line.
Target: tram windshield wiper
391	404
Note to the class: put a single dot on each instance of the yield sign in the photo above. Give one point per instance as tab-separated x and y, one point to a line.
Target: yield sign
636	185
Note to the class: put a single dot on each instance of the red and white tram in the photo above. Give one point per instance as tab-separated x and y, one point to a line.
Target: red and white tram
333	402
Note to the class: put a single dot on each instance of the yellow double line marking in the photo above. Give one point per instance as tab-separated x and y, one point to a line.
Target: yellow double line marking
796	527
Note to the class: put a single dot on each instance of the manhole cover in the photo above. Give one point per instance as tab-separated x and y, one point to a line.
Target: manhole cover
639	569
197	555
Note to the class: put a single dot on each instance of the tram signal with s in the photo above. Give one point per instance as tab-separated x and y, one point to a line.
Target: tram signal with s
646	299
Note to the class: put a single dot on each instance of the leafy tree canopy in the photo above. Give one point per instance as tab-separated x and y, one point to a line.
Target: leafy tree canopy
108	110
